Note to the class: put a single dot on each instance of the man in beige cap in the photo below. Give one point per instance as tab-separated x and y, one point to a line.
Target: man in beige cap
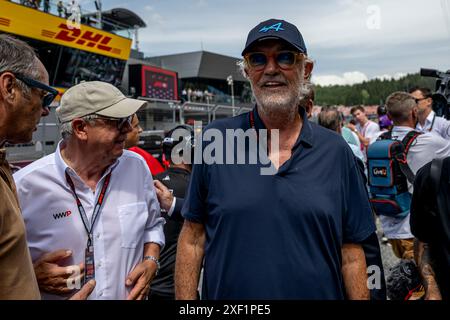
94	199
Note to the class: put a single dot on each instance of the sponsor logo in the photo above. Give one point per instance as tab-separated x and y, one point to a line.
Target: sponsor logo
77	36
277	27
5	22
63	214
379	172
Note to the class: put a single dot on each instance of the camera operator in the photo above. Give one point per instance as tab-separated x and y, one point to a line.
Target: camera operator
428	120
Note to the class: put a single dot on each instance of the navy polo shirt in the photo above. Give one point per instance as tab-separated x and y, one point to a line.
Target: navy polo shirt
279	236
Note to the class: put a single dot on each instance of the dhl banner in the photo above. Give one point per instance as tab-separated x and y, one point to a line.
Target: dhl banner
32	23
57	99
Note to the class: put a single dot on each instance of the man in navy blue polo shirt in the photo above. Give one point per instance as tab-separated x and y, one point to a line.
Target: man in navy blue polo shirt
294	234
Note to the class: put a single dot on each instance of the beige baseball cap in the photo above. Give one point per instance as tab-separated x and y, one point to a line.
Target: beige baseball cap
96	97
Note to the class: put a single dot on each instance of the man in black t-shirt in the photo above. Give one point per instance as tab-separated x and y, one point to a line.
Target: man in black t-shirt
175	179
431	227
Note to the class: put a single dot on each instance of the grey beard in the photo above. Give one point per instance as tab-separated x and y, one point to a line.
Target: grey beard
282	109
277	111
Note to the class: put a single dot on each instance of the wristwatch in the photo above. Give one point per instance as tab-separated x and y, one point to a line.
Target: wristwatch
155	260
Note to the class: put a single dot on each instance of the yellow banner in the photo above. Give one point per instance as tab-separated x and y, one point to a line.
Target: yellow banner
32	23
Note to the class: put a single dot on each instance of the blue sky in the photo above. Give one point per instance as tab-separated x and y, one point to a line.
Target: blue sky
350	40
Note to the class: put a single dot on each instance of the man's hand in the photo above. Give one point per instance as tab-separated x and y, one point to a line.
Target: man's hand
140	278
362	140
85	291
435	295
424	262
51	277
165	197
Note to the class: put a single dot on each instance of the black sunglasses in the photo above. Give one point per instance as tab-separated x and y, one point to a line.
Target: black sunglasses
285	59
51	92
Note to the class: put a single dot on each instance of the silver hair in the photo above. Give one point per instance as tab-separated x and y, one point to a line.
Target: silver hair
241	66
18	57
399	105
66	128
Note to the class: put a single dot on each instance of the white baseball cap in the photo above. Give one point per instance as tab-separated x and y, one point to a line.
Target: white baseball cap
96	97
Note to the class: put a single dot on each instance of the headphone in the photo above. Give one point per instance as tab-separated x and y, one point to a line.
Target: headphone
186	141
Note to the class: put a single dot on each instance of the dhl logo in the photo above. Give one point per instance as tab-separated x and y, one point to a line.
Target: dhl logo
86	38
22	21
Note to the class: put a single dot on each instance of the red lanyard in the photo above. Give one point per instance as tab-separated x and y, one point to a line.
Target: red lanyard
363	133
89	226
252	124
252	120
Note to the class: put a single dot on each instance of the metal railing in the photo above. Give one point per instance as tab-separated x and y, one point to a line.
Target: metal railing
156	118
41	5
208	111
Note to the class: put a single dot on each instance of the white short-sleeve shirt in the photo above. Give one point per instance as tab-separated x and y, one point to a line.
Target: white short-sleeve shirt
436	124
370	130
129	218
426	147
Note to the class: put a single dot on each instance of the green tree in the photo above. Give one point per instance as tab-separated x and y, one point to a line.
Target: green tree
372	92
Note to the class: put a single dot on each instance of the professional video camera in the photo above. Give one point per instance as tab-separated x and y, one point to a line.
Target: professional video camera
441	97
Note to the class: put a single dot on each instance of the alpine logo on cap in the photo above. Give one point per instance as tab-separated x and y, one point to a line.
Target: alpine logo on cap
277	27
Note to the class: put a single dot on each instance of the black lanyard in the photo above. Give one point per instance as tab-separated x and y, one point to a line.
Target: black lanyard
432	123
89	226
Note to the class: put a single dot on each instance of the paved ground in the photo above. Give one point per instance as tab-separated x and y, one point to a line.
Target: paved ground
387	255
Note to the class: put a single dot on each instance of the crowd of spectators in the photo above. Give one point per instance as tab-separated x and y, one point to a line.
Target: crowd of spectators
64	10
197	95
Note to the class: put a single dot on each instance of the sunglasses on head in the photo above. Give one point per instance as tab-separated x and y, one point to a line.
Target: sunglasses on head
51	92
285	59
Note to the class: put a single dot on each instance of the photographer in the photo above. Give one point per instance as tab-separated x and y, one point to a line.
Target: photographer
428	120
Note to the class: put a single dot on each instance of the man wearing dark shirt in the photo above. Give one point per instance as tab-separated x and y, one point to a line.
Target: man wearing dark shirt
294	234
430	224
169	184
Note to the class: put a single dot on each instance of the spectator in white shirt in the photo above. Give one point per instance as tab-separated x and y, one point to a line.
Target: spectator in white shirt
366	130
403	110
428	120
124	237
